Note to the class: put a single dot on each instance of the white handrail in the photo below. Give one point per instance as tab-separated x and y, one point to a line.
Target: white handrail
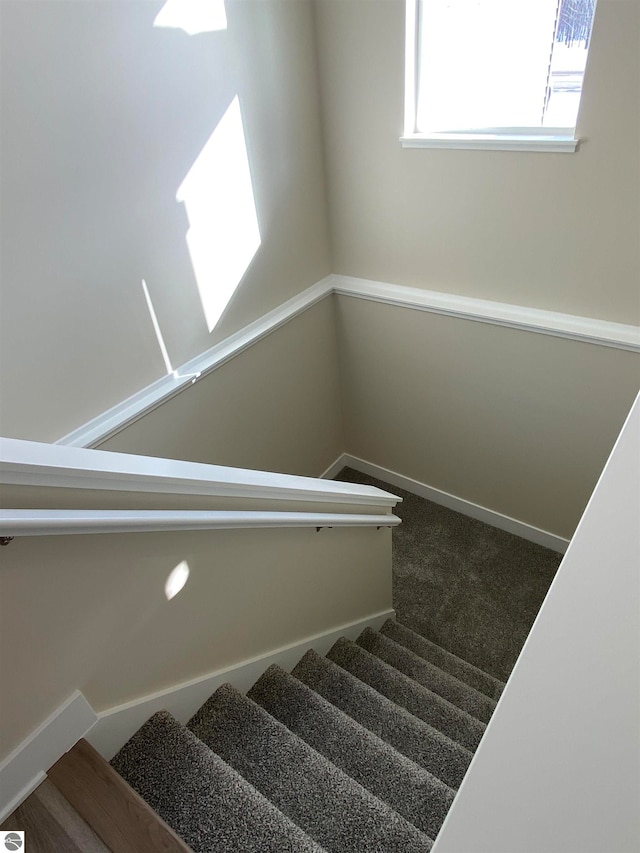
50	522
38	464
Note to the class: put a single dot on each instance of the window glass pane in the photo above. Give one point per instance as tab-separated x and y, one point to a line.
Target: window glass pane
484	63
568	62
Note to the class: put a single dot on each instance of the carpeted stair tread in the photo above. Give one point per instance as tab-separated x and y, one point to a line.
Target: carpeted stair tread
447	661
408	734
430	676
323	801
407	787
403	690
204	800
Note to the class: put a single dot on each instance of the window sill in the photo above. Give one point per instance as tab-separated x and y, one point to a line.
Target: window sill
491	142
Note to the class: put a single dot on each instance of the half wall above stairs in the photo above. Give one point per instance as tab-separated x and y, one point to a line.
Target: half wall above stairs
557	769
94	613
506	407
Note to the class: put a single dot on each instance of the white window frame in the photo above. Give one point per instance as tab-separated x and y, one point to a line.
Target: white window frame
559	140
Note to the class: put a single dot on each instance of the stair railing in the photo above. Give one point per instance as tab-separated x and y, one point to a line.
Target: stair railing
36	464
49	522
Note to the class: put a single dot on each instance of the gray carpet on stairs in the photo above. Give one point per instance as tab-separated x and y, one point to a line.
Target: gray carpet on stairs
324	802
357	752
469	587
425	673
407	787
433	709
206	802
446	661
347	754
411	736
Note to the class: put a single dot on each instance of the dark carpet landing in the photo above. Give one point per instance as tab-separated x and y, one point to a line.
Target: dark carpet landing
473	589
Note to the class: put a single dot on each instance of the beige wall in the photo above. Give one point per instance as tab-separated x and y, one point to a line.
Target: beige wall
276	406
102	117
554	231
89	612
517	422
567	723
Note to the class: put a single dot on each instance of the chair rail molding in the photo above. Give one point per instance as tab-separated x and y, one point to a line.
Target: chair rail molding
570	326
116	418
540	321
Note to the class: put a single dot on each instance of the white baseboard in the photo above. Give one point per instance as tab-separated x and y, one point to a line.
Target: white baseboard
334	469
481	513
25	768
116	725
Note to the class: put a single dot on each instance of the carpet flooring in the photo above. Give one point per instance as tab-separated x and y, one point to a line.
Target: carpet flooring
360	751
469	587
356	752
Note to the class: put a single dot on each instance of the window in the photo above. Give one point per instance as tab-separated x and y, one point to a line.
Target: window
495	73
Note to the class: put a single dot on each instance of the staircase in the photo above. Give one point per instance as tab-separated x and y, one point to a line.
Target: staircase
360	751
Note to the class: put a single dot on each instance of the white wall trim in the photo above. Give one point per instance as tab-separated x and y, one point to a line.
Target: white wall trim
116	418
25	768
492	142
32	463
61	522
116	725
569	326
334	469
468	508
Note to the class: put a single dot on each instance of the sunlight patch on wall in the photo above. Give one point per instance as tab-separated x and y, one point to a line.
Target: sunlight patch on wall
192	16
223	233
176	580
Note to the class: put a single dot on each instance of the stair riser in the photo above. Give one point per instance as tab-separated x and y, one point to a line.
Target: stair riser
430	676
428	706
409	789
410	735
